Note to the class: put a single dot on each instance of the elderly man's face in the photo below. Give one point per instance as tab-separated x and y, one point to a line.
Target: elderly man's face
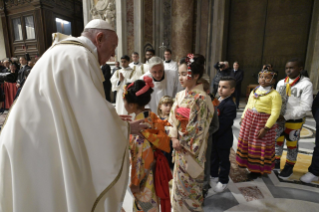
106	46
6	64
157	72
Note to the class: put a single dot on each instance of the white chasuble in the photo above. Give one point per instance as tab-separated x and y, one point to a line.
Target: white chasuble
173	67
139	68
129	76
63	147
167	86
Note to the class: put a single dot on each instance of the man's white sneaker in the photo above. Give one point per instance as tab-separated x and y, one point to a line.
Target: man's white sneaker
309	177
214	179
220	187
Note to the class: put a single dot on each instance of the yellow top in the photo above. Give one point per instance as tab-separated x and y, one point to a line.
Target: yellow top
270	104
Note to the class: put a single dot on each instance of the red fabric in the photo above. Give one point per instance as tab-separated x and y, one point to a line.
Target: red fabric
162	177
10	91
183	111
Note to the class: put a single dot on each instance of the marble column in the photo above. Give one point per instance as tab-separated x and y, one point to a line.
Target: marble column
86	11
182	28
2	44
121	30
139	27
218	32
312	62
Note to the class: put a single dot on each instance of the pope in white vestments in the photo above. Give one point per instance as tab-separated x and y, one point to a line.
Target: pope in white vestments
63	148
164	82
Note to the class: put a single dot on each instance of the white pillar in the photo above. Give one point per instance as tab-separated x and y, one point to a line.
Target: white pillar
2	45
121	28
86	11
139	28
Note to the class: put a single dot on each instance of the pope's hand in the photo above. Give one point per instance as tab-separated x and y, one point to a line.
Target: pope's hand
137	127
126	118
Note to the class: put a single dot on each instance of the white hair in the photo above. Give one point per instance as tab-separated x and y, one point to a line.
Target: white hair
155	61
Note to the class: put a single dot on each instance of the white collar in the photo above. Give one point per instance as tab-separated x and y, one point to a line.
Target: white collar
266	89
89	44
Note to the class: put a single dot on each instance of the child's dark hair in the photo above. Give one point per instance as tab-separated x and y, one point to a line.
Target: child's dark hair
296	60
125	57
230	80
140	100
197	67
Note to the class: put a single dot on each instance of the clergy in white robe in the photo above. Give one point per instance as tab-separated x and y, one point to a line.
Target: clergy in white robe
171	65
164	82
137	66
129	75
63	147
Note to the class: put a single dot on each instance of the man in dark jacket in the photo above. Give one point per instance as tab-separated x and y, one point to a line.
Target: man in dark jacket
238	75
106	70
223	138
21	74
222	71
313	174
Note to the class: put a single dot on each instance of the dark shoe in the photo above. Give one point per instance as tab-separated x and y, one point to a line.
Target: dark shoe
277	165
286	172
253	175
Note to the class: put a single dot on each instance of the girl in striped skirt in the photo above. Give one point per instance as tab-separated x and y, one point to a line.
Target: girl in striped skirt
256	142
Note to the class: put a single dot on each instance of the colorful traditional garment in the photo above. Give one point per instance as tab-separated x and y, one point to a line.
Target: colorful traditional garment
144	153
258	154
192	132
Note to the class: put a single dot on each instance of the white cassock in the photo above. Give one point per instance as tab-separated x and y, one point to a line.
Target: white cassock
63	146
129	76
167	86
172	66
139	68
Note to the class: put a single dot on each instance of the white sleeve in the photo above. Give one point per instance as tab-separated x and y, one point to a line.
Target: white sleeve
299	111
115	81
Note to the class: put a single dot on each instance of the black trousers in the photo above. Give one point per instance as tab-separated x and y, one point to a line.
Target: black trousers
237	95
314	167
220	162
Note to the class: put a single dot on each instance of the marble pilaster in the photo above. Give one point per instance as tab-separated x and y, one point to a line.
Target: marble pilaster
121	28
2	44
86	11
182	28
312	62
139	27
130	26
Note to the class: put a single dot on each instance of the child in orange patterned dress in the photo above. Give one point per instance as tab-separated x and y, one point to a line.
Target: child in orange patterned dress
150	172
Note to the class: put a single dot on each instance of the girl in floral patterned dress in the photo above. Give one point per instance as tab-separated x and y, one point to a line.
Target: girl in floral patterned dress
190	118
146	153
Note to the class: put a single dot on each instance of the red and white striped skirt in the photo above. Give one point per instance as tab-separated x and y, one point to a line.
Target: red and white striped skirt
258	155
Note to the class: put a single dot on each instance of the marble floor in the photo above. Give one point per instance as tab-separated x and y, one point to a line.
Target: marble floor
268	193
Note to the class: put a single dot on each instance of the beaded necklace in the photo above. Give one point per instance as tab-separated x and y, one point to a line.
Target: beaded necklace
256	96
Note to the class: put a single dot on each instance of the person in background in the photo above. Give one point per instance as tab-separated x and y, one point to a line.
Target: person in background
119	80
30	64
136	65
6	64
106	70
223	69
313	174
298	90
2	67
223	138
163	111
238	75
116	67
256	146
12	76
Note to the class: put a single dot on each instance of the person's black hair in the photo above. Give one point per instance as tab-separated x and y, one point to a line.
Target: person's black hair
150	50
140	100
125	57
168	50
197	67
230	80
16	65
135	53
27	72
298	61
